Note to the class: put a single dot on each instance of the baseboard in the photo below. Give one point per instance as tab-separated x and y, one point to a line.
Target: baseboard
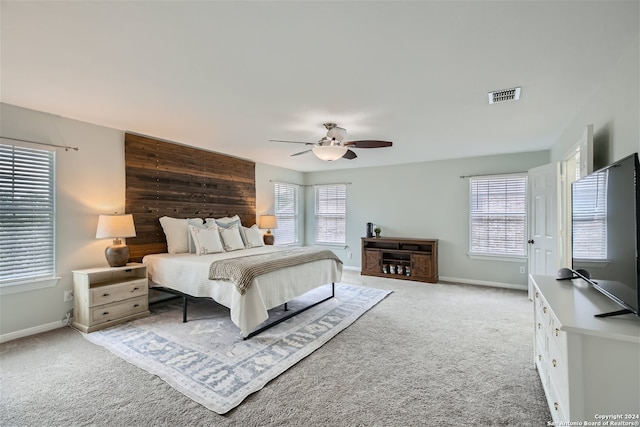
464	281
483	283
31	331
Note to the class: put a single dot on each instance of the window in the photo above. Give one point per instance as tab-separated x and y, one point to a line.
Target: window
286	211
331	214
27	214
498	215
590	218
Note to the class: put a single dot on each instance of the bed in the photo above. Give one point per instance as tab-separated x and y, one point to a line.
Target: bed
188	274
171	187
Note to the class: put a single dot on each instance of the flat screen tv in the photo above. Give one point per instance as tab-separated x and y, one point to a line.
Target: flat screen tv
605	233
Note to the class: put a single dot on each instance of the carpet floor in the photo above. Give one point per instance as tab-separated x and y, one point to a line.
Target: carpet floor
428	354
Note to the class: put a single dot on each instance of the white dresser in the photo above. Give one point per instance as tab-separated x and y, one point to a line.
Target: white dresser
589	367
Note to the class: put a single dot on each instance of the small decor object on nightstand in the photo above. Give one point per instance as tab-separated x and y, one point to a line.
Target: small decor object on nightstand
377	230
116	227
268	222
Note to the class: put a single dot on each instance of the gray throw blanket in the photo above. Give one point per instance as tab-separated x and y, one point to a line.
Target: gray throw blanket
241	271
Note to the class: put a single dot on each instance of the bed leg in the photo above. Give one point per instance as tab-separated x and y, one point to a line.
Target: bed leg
333	290
184	309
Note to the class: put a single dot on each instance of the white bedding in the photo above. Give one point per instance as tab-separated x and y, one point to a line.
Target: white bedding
189	274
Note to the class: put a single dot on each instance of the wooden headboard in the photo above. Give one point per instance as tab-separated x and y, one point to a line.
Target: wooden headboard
169	179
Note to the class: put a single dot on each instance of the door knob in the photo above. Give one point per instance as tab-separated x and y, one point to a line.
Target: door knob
531	241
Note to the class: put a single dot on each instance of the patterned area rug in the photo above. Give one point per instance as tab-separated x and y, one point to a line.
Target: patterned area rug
206	358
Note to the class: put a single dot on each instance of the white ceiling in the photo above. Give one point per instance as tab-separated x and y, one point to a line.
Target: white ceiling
229	76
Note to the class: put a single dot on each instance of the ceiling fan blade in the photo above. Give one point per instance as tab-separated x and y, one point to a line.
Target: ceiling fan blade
292	142
350	155
302	152
368	143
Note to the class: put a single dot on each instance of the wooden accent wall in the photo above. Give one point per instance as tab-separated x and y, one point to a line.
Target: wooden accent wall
168	179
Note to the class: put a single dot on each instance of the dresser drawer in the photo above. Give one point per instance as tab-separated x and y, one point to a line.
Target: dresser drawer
557	337
558	369
557	404
118	292
117	310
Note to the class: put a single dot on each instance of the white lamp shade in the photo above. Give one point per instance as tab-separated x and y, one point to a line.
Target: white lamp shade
110	226
268	221
329	152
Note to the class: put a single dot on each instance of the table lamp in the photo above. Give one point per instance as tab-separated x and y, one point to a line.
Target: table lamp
268	222
116	227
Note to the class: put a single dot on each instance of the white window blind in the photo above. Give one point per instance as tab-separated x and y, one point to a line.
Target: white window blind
589	226
498	215
331	214
286	211
27	213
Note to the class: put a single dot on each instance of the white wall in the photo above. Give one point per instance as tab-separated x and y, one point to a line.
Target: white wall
424	200
614	111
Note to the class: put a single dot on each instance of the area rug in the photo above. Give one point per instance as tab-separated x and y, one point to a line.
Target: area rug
206	358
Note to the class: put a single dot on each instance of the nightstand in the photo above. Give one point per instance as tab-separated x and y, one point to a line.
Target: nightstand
107	296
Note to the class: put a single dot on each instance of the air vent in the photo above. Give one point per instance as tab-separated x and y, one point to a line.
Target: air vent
504	95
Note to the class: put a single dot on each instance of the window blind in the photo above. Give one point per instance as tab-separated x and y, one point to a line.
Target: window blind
498	215
286	211
331	214
589	226
27	213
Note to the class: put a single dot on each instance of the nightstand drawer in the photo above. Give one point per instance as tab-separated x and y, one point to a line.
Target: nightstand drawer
117	292
117	310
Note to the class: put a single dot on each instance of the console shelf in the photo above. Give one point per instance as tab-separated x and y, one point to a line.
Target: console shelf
400	258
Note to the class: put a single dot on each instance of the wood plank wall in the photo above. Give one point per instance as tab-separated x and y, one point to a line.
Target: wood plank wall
168	179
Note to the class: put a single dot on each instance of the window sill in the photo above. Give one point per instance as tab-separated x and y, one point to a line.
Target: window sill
601	263
332	245
31	285
485	257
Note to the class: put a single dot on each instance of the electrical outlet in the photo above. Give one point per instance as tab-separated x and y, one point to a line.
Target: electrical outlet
349	255
68	296
522	270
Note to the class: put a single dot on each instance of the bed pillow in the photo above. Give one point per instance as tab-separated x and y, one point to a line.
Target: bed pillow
231	239
227	222
253	237
206	239
193	221
177	234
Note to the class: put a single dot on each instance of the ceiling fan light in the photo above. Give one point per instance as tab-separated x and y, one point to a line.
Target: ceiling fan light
337	133
329	153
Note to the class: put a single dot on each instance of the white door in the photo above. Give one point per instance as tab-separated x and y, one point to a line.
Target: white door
543	220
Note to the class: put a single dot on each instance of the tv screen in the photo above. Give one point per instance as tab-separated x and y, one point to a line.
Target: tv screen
605	235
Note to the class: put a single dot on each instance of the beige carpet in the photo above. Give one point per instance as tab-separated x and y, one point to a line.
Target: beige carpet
443	354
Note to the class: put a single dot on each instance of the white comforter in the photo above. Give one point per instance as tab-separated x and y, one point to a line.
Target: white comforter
189	274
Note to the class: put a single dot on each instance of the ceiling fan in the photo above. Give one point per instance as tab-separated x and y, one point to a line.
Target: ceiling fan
333	147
